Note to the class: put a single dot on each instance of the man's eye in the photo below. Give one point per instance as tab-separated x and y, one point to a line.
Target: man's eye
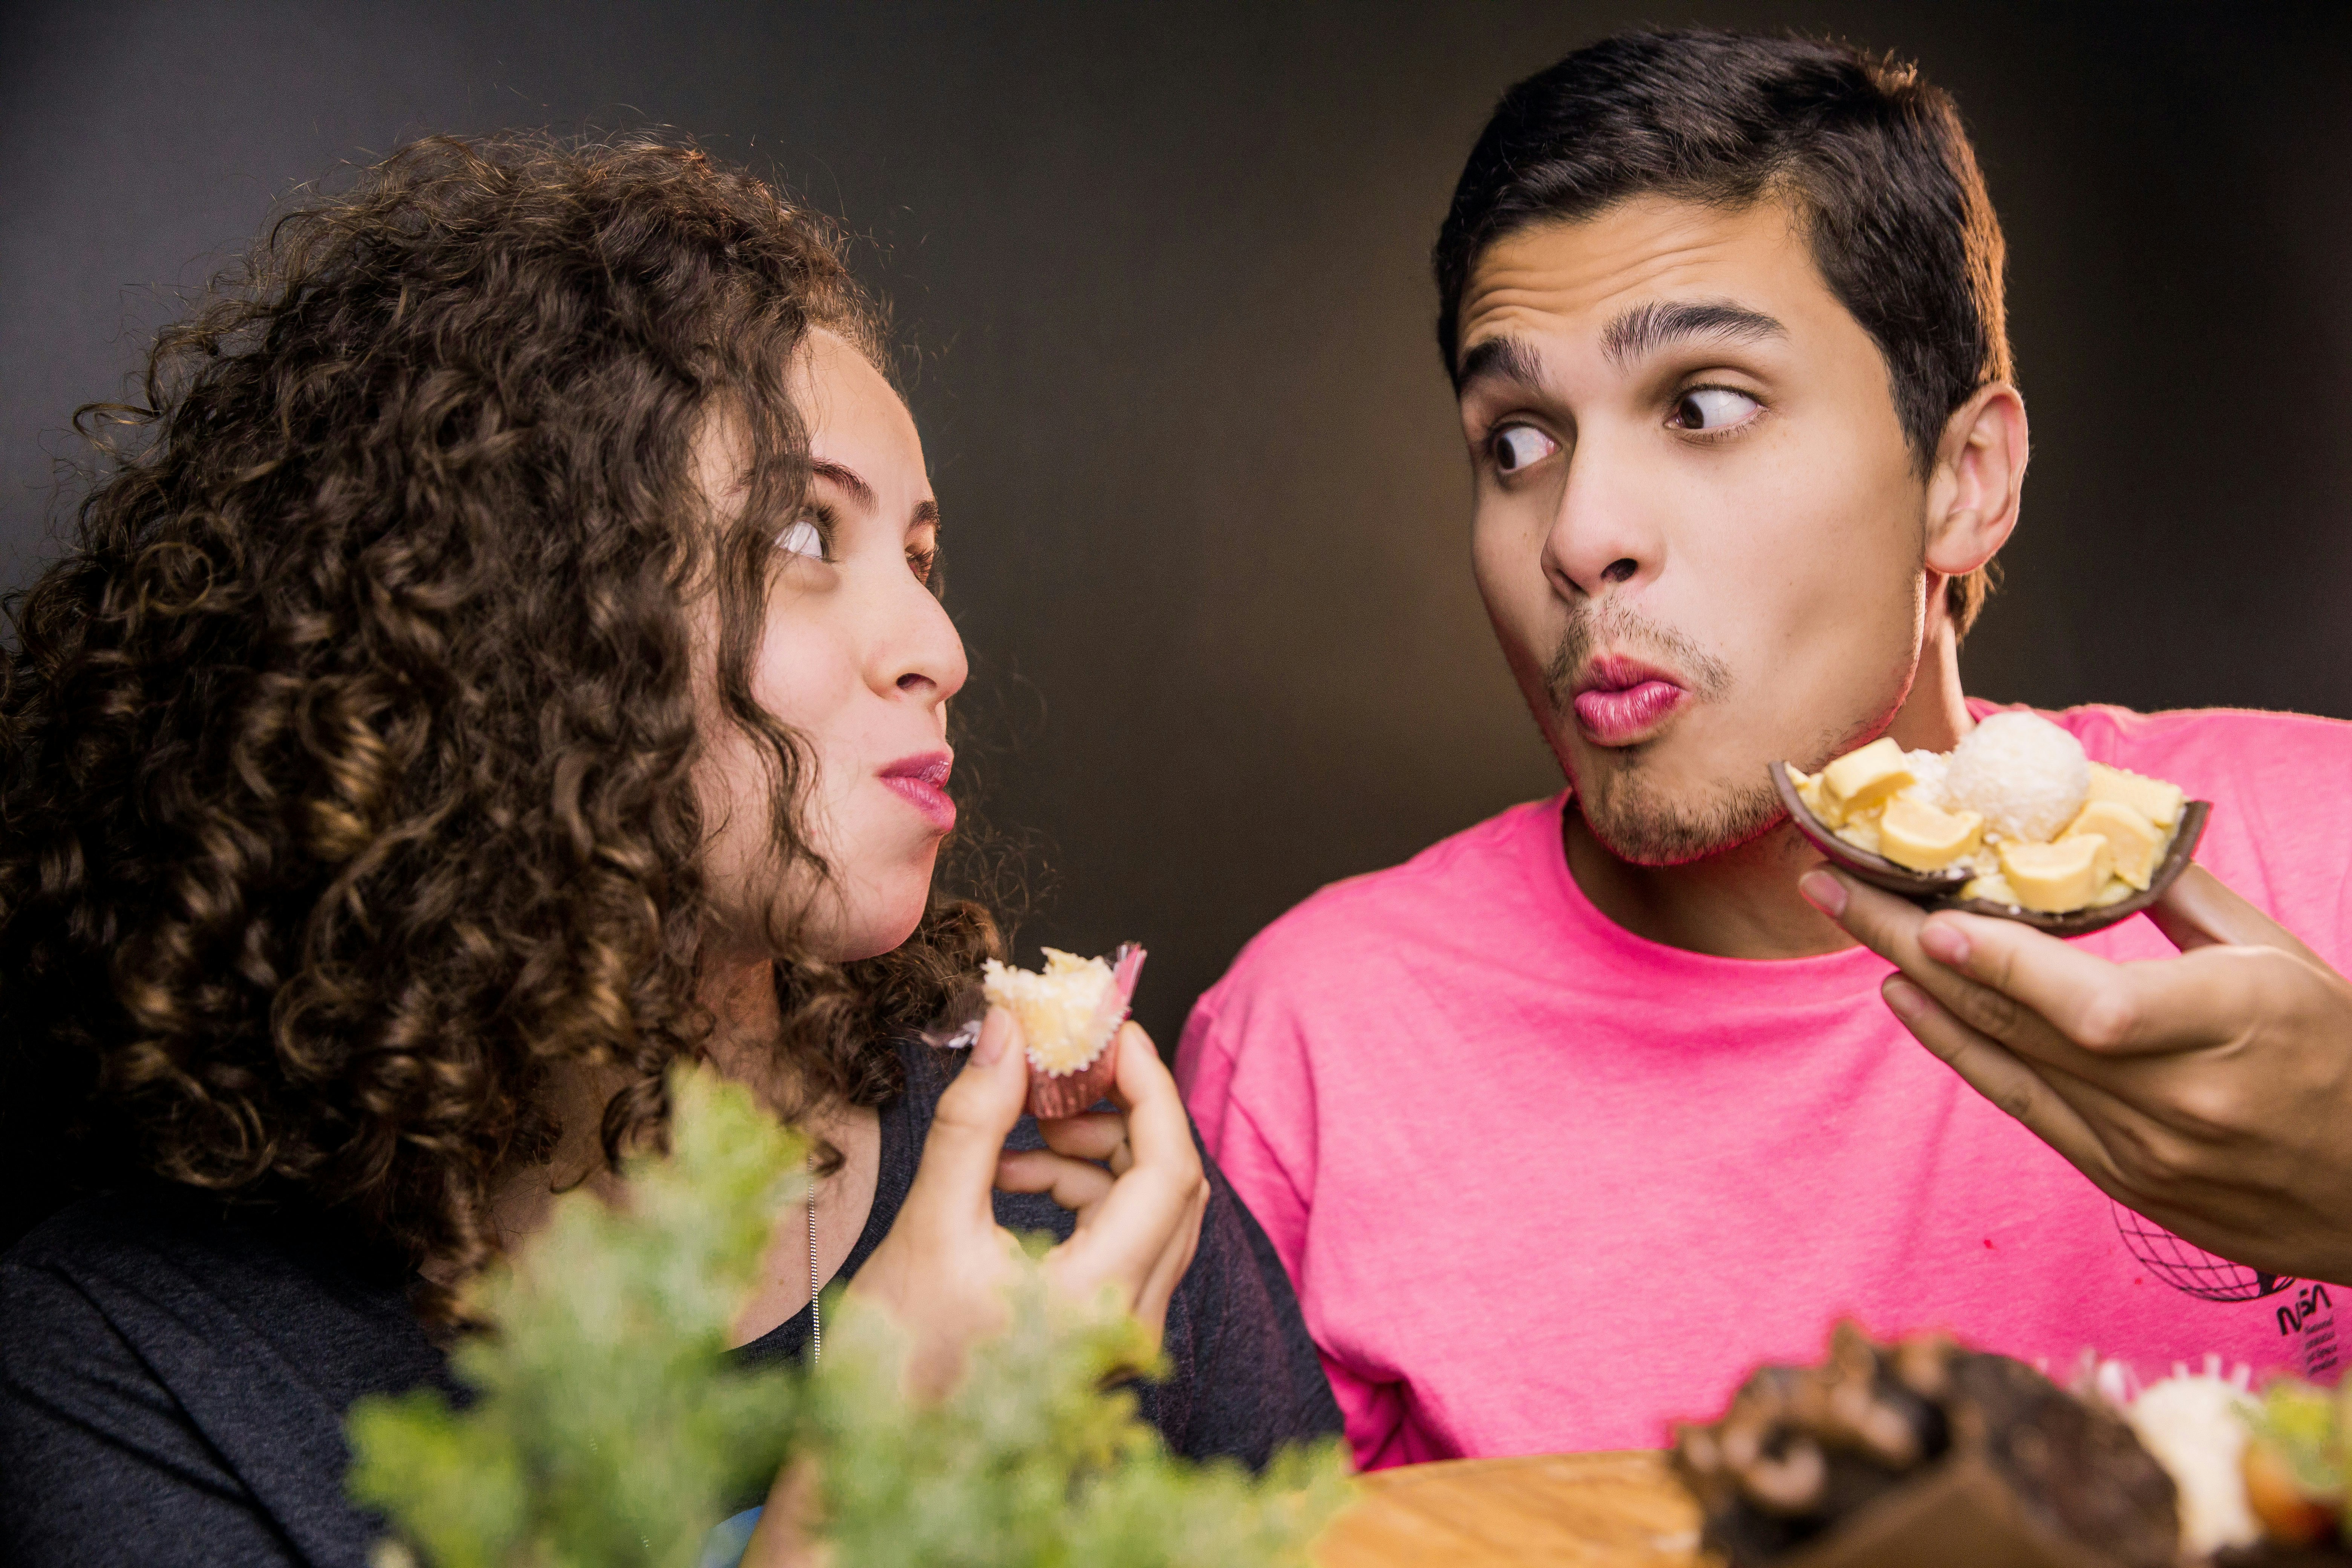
1712	408
1516	445
803	538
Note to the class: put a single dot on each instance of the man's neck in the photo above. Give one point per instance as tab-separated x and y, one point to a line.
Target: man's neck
1743	902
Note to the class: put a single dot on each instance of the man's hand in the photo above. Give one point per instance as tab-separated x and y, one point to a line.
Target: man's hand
942	1270
2210	1092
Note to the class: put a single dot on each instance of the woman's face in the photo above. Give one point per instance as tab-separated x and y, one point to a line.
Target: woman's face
859	660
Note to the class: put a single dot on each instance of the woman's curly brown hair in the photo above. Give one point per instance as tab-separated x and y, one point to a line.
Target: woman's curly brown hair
345	756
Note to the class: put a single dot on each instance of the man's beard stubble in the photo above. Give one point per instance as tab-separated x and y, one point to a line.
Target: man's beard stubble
1634	819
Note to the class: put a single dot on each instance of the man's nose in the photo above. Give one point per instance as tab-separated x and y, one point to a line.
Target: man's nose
1604	531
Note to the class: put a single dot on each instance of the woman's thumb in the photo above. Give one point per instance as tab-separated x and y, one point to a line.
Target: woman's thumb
976	1113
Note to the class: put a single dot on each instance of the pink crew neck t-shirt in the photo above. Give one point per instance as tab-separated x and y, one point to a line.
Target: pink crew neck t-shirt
1545	1185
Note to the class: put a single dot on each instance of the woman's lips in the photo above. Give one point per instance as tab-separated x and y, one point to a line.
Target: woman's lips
1622	704
922	782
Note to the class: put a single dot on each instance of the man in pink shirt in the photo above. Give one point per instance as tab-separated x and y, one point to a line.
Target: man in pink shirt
1569	1121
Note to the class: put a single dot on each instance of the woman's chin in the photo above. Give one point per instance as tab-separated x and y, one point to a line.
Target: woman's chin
871	931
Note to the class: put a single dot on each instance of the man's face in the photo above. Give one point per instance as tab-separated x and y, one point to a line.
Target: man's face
1698	527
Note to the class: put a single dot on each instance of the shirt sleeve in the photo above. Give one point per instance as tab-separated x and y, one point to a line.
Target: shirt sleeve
102	1464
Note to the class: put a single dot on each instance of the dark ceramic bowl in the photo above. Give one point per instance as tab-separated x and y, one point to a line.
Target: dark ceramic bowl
1940	889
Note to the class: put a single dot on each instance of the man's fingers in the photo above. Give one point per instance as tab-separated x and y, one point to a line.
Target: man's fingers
2002	1077
2085	998
1090	1135
1900	931
1074	1184
970	1125
2148	1007
2198	909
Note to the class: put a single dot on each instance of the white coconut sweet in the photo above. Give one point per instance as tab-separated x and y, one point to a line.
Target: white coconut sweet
2024	775
1928	771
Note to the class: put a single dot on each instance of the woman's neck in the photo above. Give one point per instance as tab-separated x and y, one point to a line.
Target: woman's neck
747	1028
746	1022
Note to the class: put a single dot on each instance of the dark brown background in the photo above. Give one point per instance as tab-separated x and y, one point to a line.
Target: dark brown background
1162	273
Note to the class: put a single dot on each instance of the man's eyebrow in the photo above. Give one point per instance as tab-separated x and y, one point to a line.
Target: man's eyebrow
1500	359
1645	329
927	514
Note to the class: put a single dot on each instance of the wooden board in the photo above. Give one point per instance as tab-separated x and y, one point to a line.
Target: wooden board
1578	1511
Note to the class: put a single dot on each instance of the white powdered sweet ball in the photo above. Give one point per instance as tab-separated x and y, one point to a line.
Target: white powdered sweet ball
2024	775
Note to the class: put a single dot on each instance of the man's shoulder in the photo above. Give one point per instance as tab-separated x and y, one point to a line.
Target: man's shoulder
2210	741
1461	869
1344	933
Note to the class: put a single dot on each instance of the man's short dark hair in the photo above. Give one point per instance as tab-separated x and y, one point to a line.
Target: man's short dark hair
1873	160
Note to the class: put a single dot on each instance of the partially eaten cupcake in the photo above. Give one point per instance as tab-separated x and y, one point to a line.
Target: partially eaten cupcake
2017	803
1069	1013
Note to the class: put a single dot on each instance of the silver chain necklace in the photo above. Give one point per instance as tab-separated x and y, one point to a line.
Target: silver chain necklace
816	1312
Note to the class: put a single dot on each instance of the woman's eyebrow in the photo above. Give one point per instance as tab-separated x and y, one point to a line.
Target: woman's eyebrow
847	478
927	512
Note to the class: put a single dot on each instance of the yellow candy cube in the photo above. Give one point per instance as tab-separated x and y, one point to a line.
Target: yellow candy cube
2153	798
2131	838
1860	778
2053	878
1927	837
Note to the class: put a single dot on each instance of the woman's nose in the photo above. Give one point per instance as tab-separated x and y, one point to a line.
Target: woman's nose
921	655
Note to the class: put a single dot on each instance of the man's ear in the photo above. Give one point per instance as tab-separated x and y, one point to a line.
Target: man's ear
1973	490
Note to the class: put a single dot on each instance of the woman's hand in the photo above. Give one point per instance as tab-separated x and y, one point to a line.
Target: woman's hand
2212	1092
940	1271
1134	1178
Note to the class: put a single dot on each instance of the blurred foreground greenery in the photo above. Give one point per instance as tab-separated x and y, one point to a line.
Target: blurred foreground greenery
609	1425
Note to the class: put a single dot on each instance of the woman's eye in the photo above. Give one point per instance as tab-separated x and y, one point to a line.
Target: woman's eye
1516	445
1712	408
803	538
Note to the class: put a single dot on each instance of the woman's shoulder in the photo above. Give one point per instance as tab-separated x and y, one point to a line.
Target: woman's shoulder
171	1366
194	1292
169	1247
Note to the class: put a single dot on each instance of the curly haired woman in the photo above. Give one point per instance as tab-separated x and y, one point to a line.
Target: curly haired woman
509	663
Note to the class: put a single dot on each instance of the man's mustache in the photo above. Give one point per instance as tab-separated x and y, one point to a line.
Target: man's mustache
1610	624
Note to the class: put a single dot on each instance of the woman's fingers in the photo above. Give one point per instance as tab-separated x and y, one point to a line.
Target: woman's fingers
1153	1200
1099	1135
973	1117
1157	1128
1152	1301
1153	1209
1076	1185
